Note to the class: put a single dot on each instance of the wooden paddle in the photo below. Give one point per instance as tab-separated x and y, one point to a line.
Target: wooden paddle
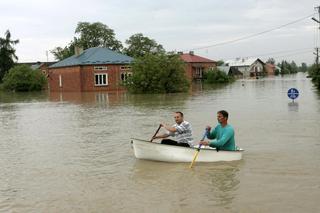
155	133
198	150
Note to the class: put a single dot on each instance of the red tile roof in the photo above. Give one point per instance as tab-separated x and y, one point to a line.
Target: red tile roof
194	58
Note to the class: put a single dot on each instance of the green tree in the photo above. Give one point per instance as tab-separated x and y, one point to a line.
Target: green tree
303	67
158	73
220	63
139	45
89	35
96	34
23	78
314	72
293	67
7	54
60	53
216	76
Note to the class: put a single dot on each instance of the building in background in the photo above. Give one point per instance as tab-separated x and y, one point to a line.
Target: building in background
94	69
196	65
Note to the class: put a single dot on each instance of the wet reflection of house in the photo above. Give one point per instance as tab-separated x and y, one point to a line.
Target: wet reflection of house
95	69
249	67
196	65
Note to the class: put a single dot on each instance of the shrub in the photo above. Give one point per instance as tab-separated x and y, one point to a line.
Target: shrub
158	73
216	76
23	78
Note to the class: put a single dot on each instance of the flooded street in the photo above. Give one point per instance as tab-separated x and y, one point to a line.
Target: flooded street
71	152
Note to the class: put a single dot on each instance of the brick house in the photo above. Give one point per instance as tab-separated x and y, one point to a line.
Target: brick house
196	65
95	69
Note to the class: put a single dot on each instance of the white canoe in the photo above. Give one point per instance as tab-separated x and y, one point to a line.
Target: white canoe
161	152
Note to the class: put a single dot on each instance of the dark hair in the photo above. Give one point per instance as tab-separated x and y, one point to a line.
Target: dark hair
180	113
224	113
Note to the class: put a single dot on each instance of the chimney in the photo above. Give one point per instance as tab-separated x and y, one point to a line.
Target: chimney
191	53
78	50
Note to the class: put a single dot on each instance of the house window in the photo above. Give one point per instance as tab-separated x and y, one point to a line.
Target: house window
101	79
125	68
198	73
100	68
125	75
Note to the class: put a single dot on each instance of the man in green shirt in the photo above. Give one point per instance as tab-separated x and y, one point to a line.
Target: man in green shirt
222	134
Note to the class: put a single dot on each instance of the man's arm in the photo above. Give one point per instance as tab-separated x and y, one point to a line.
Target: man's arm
224	139
161	136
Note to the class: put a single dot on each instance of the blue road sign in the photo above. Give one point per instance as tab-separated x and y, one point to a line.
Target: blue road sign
293	93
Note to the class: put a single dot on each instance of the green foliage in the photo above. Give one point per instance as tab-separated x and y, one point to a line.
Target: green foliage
158	73
303	67
314	72
90	35
60	53
23	78
96	34
216	76
139	46
7	54
220	63
288	68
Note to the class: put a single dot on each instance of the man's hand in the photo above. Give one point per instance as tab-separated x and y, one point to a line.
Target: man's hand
205	143
208	128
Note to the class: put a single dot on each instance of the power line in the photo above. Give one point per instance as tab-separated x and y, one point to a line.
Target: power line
252	35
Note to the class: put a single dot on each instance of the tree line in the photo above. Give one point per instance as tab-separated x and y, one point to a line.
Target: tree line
154	70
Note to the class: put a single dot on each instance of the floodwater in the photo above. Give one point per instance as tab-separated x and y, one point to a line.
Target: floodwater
71	152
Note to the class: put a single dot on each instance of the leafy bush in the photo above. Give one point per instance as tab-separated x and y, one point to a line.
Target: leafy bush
158	73
314	72
216	76
23	78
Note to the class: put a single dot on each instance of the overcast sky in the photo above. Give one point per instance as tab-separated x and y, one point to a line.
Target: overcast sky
42	25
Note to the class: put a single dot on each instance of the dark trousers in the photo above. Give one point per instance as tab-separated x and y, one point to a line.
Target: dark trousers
174	143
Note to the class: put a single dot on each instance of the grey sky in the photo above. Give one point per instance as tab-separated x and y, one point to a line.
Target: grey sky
41	25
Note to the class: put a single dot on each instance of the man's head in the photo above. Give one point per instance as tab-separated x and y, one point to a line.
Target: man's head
222	116
178	117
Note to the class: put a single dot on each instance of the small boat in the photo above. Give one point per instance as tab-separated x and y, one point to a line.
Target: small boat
144	149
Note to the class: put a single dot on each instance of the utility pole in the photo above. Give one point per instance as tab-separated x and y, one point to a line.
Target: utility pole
318	21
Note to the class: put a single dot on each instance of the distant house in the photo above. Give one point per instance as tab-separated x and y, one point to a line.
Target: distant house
231	71
94	69
271	69
196	65
248	67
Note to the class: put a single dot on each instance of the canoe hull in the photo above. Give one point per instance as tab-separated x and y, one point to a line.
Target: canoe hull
160	152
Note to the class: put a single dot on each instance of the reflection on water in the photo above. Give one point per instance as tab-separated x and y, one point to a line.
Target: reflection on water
70	152
293	106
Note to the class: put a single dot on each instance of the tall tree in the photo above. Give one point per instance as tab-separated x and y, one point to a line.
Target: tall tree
89	35
139	45
7	53
96	34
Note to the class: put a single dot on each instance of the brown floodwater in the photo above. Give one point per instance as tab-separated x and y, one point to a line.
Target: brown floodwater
71	152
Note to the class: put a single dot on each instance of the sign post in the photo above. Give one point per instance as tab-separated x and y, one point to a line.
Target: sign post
293	93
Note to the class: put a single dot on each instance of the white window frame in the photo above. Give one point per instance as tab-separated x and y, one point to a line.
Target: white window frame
99	77
60	81
126	75
100	68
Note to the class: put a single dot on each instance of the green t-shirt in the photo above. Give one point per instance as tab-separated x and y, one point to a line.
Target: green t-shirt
223	138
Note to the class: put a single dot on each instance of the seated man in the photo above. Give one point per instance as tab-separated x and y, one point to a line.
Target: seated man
223	134
181	130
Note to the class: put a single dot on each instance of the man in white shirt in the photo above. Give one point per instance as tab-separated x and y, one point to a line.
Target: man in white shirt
181	130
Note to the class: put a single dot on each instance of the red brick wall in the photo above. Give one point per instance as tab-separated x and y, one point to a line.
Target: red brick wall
190	70
82	78
88	81
70	79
